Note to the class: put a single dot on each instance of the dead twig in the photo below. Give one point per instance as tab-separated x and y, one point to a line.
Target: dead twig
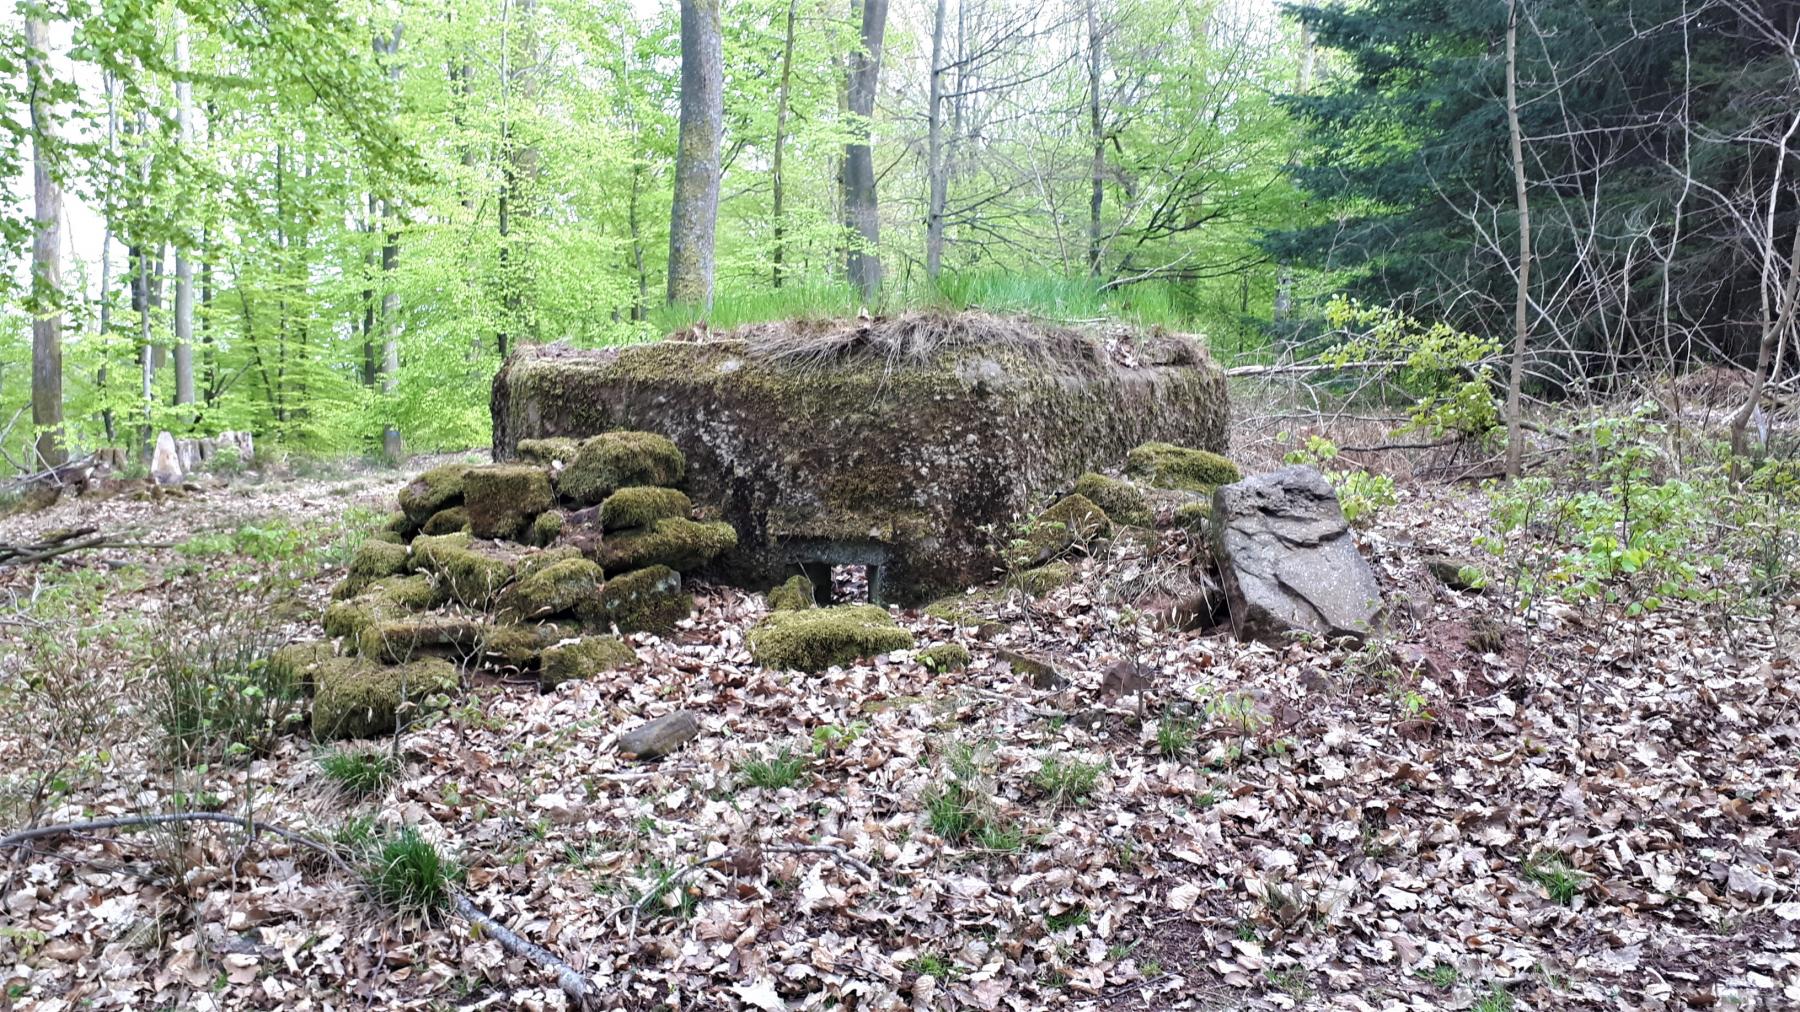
244	822
579	989
63	542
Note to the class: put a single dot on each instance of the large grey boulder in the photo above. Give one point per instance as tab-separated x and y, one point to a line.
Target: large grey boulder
1287	560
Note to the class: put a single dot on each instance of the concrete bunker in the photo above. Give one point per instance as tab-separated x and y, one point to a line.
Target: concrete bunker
908	445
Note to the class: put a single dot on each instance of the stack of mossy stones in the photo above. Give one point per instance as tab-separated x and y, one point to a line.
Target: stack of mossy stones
534	565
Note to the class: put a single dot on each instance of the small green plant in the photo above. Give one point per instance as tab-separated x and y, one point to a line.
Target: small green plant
1066	781
409	874
666	894
359	772
1360	494
952	811
357	836
996	837
1292	981
829	738
1074	917
1553	871
934	965
1175	735
1496	1000
1442	976
783	769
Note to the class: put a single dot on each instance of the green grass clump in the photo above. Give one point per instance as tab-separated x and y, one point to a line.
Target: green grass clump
1553	871
1067	781
783	769
359	772
410	875
1496	1000
1175	735
952	812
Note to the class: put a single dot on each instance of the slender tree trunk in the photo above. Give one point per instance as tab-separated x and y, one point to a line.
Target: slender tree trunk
393	446
1515	438
864	263
46	259
184	267
937	172
107	423
1097	135
694	216
371	369
640	308
781	117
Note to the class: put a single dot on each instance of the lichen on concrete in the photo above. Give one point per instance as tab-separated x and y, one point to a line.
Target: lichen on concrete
819	638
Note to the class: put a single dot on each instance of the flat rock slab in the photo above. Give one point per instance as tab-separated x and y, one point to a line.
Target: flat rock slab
1287	559
901	444
657	738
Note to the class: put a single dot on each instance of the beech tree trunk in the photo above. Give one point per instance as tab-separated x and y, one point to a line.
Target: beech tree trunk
1515	438
936	169
393	447
781	116
860	211
1096	134
184	267
46	261
695	213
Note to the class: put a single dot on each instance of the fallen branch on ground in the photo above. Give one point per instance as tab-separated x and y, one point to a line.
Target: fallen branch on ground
63	542
570	981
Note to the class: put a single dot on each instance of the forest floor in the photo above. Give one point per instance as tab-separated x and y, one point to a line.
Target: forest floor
1584	811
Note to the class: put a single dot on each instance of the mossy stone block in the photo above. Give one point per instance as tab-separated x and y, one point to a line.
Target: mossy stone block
451	521
554	450
373	560
298	664
546	528
1041	580
503	499
641	506
1165	465
611	461
646	600
1123	502
583	658
359	699
945	657
1071	522
676	542
818	638
550	590
437	489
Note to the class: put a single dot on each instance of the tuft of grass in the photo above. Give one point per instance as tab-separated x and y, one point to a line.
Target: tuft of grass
1066	781
1074	917
1443	976
666	895
409	874
359	772
935	966
1175	735
357	836
1007	839
1496	1000
1559	878
782	769
1292	981
952	811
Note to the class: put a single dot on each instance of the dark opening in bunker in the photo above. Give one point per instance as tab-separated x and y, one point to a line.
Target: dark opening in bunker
841	572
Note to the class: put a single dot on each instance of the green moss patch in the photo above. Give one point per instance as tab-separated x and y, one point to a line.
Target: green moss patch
535	561
641	506
402	638
1165	465
437	489
550	590
472	576
817	638
1041	580
546	528
503	499
678	543
647	600
968	610
376	559
1071	522
1123	502
583	658
358	699
450	521
945	657
795	594
427	548
1194	517
547	451
614	460
299	663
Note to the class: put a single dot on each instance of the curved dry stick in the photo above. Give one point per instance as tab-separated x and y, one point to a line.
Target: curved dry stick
572	982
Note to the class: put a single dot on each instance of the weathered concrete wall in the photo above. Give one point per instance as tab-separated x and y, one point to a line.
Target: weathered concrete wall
919	463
